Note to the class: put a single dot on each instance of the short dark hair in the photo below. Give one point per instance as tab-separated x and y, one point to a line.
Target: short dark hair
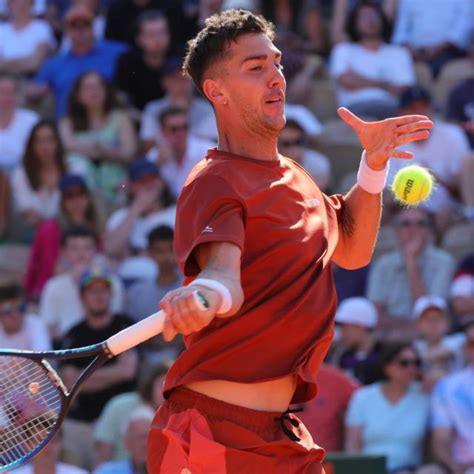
168	112
77	231
351	25
10	291
162	232
213	41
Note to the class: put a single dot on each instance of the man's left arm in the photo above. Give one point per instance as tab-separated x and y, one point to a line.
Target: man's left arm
360	218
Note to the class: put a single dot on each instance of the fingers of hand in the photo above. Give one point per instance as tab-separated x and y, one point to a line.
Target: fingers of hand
169	331
404	155
405	119
414	126
348	117
411	137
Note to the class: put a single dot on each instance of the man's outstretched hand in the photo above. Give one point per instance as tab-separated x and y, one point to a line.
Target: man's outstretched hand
380	139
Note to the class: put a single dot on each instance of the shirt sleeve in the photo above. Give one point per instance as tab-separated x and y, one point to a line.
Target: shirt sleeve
46	74
339	60
405	75
209	210
40	340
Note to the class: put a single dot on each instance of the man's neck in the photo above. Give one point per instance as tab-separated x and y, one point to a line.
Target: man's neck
82	50
99	322
249	144
20	23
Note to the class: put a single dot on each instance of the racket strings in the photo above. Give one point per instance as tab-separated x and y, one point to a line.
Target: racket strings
30	406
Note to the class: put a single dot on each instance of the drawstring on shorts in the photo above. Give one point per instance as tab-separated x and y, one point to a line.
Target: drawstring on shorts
286	417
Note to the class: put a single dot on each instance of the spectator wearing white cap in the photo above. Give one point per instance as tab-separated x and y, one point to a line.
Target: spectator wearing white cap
462	297
359	352
441	353
135	441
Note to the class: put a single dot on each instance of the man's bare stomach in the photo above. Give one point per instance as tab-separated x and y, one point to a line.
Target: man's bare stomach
273	395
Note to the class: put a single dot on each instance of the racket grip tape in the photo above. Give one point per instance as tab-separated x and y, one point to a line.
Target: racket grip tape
144	330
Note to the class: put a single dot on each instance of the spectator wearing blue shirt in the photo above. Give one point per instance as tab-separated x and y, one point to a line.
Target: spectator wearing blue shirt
391	417
86	54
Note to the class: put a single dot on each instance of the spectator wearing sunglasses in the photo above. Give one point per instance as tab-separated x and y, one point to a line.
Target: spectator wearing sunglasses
390	417
293	144
441	353
178	150
18	329
452	419
415	268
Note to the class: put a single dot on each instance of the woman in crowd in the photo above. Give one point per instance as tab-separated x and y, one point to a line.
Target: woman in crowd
77	208
35	183
98	136
391	417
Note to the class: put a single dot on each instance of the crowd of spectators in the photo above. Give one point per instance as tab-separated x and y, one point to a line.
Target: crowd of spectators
98	131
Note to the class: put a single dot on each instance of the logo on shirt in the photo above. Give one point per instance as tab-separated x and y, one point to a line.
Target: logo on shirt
208	229
312	203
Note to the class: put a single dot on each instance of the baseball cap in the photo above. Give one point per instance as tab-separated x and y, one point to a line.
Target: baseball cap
358	311
140	168
462	286
78	12
70	180
94	274
428	301
412	95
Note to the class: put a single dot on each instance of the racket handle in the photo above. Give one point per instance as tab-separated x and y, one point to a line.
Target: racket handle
144	330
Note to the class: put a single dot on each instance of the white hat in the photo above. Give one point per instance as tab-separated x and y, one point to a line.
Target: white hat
428	301
462	286
358	311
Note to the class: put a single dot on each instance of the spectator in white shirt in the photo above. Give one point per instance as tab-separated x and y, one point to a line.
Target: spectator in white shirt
293	144
60	305
19	330
26	41
370	74
35	183
444	153
150	204
178	150
435	31
15	123
180	92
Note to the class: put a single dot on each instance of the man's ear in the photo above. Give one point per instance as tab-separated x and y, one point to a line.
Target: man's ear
213	92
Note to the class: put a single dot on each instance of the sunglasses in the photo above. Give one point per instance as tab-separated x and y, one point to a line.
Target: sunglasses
289	143
405	363
12	308
408	223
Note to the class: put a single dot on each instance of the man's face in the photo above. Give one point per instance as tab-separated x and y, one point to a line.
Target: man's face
368	23
80	250
252	85
154	36
96	298
161	251
11	315
19	7
178	87
80	33
136	439
412	224
175	130
433	324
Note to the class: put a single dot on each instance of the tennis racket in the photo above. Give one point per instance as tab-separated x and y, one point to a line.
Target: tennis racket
34	400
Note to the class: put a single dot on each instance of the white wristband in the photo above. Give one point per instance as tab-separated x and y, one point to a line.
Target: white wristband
371	180
224	293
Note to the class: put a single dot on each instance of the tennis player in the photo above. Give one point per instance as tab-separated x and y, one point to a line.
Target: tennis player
256	237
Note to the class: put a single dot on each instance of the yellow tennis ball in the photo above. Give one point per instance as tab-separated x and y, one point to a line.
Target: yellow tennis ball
412	185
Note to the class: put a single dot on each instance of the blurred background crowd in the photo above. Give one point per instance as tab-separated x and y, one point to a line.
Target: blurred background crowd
98	130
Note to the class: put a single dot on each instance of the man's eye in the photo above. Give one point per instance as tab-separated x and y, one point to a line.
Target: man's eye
256	68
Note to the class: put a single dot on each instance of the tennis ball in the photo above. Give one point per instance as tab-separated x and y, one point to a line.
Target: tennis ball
412	185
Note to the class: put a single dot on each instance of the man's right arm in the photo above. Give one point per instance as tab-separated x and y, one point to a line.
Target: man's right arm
219	261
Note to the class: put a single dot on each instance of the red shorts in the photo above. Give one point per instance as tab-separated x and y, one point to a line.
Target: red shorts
196	434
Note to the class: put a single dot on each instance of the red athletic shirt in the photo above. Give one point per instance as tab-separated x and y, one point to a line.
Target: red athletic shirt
287	230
